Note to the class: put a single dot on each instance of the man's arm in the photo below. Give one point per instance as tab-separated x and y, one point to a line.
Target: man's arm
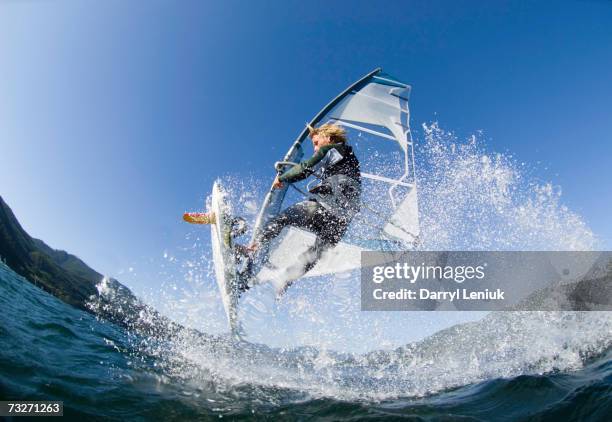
304	169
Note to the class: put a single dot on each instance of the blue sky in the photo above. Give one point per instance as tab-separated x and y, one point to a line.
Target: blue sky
117	116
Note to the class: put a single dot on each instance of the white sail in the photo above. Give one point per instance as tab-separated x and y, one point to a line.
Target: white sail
375	113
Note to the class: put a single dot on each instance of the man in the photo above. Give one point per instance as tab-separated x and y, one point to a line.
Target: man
334	200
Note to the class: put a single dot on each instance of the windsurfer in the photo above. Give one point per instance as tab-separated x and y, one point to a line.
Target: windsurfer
333	203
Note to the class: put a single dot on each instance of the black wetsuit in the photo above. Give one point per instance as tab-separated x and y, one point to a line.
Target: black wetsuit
334	203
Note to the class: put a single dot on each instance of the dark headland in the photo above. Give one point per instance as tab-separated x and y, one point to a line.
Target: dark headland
68	278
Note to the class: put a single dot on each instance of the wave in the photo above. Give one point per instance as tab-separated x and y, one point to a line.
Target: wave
520	364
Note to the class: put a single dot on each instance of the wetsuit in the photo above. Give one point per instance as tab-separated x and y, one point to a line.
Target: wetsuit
334	203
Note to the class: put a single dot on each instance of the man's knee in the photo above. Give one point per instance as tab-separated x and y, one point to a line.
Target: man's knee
334	231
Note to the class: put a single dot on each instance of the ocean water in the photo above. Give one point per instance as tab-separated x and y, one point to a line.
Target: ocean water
314	354
506	367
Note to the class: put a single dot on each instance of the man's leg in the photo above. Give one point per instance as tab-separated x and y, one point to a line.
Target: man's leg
309	215
329	230
304	215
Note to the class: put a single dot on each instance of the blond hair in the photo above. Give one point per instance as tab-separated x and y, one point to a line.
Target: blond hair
335	133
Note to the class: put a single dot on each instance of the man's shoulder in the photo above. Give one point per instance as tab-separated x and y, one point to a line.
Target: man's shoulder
340	147
343	148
